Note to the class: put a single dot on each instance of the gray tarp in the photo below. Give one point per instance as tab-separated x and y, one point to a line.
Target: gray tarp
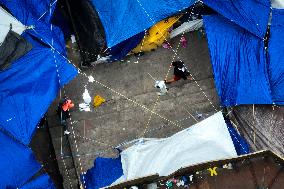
262	126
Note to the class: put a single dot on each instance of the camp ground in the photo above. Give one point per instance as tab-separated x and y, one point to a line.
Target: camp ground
141	94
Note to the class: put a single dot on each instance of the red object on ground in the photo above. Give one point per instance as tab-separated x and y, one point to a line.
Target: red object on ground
67	105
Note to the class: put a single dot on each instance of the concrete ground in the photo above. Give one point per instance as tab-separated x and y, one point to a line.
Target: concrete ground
134	109
42	147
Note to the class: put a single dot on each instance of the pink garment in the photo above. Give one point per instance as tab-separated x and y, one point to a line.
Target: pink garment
183	42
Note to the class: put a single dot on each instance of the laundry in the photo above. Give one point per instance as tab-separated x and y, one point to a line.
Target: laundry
91	79
86	97
162	86
98	100
67	105
84	107
183	42
66	132
212	171
73	39
64	105
166	45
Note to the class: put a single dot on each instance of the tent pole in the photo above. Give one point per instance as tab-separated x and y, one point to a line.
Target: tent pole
82	56
73	161
253	114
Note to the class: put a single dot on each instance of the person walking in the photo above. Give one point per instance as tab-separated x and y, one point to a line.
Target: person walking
180	72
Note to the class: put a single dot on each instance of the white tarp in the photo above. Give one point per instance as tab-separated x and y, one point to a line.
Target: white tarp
5	20
205	141
187	27
278	4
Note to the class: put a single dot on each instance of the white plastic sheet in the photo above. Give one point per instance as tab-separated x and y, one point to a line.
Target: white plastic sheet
278	4
6	19
187	27
205	141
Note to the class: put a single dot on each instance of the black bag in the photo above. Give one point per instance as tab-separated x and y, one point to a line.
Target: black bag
13	47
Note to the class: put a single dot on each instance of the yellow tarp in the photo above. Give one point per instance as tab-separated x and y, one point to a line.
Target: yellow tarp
156	35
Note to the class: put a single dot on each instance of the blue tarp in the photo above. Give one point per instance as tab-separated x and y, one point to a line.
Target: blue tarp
30	11
30	85
253	15
120	50
239	63
41	182
27	89
123	19
104	173
17	163
276	56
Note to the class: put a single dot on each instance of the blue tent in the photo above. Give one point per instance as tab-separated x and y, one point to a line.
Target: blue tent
252	15
30	85
276	56
123	19
104	173
17	163
239	63
41	182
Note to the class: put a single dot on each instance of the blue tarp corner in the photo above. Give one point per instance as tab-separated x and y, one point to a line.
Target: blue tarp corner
17	163
104	173
41	182
240	144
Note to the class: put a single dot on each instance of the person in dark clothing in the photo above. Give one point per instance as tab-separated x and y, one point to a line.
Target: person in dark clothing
180	72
